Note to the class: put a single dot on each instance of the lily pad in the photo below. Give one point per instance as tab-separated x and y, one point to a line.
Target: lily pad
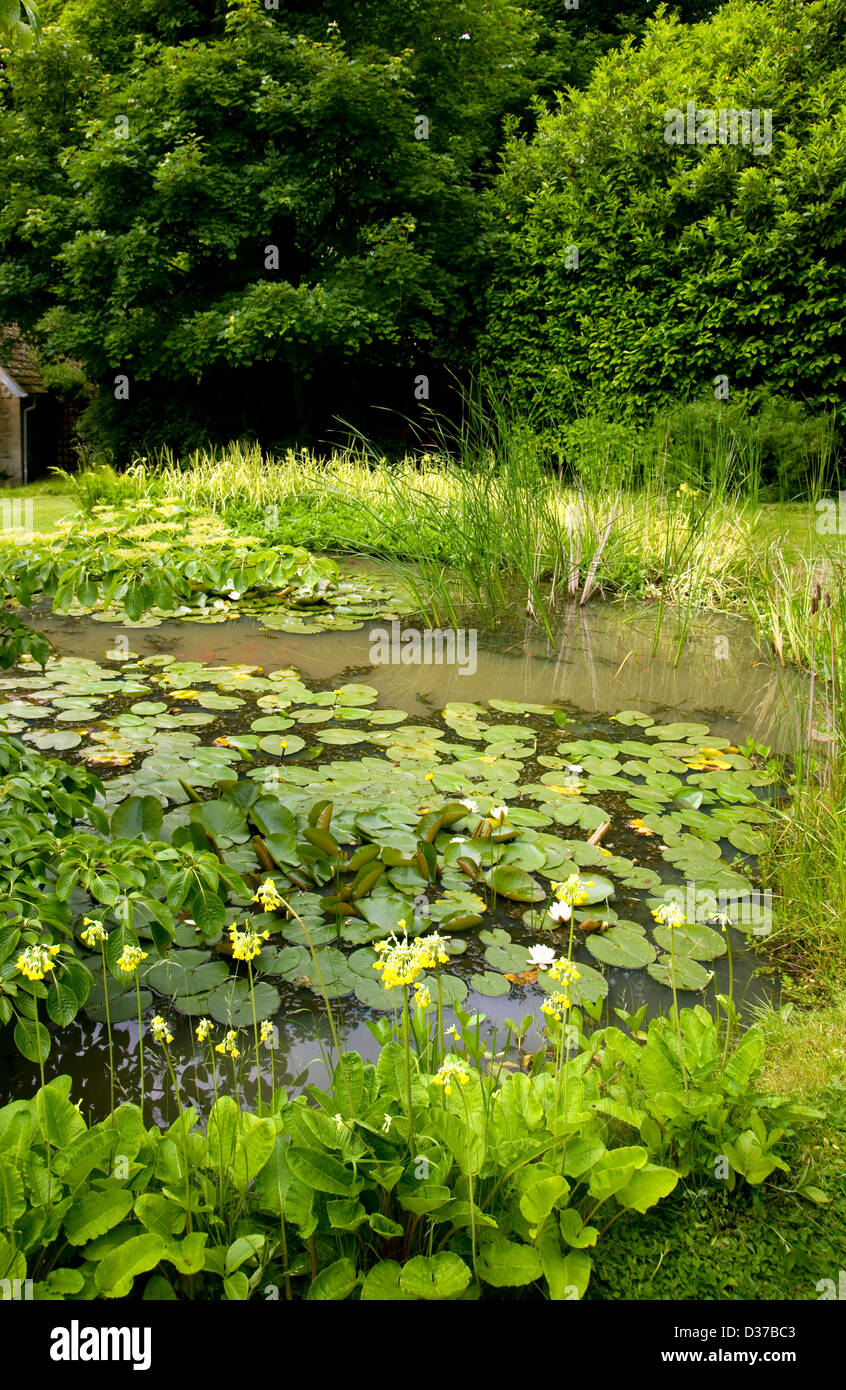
230	1004
619	946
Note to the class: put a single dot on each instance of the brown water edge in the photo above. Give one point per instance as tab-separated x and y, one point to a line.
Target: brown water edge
600	661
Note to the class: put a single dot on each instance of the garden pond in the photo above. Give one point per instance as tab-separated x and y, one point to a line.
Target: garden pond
363	790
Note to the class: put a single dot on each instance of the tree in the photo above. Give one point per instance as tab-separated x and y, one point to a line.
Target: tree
642	257
213	190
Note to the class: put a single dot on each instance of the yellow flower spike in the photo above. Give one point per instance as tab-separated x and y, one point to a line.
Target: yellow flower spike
94	933
161	1032
247	944
203	1029
228	1047
36	961
422	996
268	896
130	958
452	1069
669	915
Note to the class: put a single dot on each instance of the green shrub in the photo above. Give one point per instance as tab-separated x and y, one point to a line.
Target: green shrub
694	261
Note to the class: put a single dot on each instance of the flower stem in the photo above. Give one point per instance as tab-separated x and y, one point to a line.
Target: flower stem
140	1039
676	1018
255	1035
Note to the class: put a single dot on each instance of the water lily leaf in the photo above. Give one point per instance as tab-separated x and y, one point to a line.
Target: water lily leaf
509	957
225	823
629	717
746	840
230	1004
521	707
590	986
674	732
510	882
689	973
353	694
370	992
282	747
691	798
490	983
187	972
59	740
699	942
386	908
122	1006
622	947
289	961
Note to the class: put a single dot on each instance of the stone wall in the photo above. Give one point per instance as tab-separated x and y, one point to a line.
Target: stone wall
11	443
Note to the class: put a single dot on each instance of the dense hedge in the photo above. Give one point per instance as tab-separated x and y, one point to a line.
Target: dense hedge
694	260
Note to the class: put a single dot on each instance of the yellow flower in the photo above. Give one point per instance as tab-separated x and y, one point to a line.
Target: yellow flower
556	1006
422	997
452	1069
95	933
203	1029
431	951
670	915
185	694
266	1035
130	958
268	896
564	972
227	1047
428	777
37	961
246	945
400	961
161	1032
572	890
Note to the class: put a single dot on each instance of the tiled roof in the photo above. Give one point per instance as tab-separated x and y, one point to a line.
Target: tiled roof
20	361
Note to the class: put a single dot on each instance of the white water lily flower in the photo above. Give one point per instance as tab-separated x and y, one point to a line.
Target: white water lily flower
561	912
471	805
219	603
573	767
541	956
233	594
498	814
458	840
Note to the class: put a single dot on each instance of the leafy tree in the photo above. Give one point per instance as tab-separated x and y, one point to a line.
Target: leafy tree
692	261
209	190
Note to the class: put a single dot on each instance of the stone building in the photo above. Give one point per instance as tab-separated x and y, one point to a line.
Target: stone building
36	428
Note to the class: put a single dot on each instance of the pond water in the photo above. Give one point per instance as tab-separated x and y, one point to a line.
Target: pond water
601	662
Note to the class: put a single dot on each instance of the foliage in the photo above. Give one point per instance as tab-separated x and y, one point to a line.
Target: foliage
496	529
47	866
720	1126
694	260
19	24
141	557
688	1248
169	155
421	1177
